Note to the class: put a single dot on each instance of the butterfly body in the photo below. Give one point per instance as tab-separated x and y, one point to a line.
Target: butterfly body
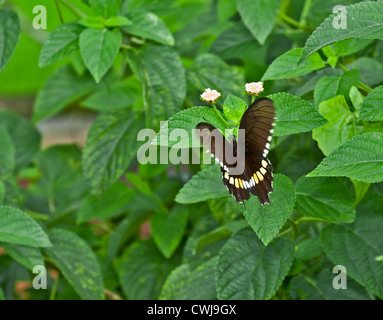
256	177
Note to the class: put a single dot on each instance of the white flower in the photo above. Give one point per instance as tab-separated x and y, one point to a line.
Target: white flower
254	88
210	95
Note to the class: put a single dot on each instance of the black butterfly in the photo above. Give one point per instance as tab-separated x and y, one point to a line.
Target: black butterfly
256	178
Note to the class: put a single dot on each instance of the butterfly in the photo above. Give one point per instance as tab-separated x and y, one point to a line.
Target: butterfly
256	178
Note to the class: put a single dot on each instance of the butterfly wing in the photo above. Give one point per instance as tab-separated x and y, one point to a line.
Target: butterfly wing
258	123
216	145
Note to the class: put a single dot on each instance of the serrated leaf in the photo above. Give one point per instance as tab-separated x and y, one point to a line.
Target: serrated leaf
259	16
372	109
224	209
364	20
110	147
105	8
267	220
159	7
110	203
61	43
17	227
77	262
294	115
325	198
308	249
118	21
287	65
209	71
9	35
62	88
160	70
29	257
186	283
370	70
187	120
360	158
26	138
99	48
143	270
147	25
235	42
168	229
339	127
331	86
350	46
206	184
355	247
246	269
320	288
234	107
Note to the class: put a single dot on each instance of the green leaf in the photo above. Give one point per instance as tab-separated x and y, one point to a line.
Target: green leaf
209	71
105	8
360	158
186	283
7	153
364	20
147	25
235	42
61	43
287	65
187	120
224	209
308	249
111	203
159	7
110	147
143	270
371	71
355	247
356	98
325	198
294	115
2	295
372	106
19	228
9	35
350	46
168	229
247	270
29	257
160	70
61	89
25	138
77	262
119	95
118	21
339	127
206	184
234	107
125	230
93	22
267	220
259	16
320	288
331	86
99	48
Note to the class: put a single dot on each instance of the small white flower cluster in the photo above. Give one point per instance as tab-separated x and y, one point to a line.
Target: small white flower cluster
210	95
254	88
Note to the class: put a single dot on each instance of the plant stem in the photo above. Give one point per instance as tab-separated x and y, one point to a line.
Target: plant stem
54	289
291	21
305	12
38	216
126	47
364	87
71	7
309	219
111	296
219	114
59	11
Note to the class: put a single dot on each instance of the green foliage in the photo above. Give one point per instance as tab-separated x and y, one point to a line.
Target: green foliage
109	227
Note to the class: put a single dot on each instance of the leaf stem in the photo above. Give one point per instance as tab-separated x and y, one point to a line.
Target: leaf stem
219	115
305	12
54	288
38	216
59	11
291	21
364	87
72	8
